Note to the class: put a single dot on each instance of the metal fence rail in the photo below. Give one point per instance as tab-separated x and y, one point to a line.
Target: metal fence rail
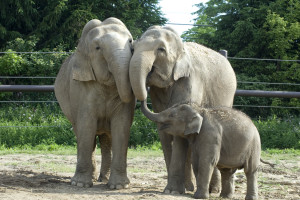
26	88
252	93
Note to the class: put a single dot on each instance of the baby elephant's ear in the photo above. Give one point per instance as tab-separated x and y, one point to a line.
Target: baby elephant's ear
194	125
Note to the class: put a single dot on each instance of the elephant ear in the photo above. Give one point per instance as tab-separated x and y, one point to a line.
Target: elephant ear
81	67
194	125
182	66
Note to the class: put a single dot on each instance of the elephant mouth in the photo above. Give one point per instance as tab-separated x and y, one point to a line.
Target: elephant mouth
150	74
156	78
164	126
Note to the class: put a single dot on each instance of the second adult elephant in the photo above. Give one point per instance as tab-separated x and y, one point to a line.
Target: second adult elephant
94	92
177	73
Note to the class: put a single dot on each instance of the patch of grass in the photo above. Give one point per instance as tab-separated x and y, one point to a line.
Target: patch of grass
281	154
40	149
283	151
147	151
57	167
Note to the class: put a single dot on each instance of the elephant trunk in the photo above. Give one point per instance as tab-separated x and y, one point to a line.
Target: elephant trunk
121	66
118	56
140	66
156	117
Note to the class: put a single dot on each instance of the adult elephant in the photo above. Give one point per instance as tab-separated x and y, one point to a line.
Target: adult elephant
177	73
94	92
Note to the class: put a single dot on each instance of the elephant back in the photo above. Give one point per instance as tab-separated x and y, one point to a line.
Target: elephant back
214	72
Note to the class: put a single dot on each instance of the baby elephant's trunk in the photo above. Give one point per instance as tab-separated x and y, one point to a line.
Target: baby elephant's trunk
156	117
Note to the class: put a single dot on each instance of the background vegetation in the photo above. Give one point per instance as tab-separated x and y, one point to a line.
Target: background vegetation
255	29
30	126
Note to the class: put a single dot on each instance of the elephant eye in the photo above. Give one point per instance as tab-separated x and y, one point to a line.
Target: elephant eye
98	48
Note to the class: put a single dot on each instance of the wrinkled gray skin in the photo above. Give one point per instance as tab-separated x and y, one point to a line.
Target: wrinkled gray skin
178	72
94	92
222	137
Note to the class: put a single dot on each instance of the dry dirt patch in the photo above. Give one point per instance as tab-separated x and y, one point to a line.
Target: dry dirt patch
24	176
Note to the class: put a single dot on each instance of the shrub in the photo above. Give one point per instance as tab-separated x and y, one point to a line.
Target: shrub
45	125
34	125
279	133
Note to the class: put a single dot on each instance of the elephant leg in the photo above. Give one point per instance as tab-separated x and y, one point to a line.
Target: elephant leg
207	158
120	129
86	143
188	180
215	182
176	174
252	188
105	145
227	182
166	143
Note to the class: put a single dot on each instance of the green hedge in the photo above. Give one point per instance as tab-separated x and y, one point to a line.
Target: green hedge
45	124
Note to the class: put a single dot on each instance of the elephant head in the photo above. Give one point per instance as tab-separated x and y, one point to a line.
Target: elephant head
159	59
103	54
179	120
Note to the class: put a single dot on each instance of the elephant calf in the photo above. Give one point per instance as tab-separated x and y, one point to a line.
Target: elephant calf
221	137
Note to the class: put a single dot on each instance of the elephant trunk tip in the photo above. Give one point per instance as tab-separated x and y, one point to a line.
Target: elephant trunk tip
141	95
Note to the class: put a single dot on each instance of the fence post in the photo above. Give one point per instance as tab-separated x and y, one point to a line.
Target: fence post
223	53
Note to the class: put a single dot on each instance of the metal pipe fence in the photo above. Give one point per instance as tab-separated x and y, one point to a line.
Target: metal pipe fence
249	93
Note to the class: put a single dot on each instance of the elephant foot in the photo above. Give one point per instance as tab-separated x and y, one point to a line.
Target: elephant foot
215	187
251	197
174	189
226	195
82	180
201	195
118	182
189	186
118	187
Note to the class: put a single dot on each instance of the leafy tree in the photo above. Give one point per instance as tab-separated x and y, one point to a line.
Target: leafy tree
59	22
255	29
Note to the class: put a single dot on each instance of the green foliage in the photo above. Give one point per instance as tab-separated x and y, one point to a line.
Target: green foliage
29	64
44	126
10	63
34	125
59	22
279	133
143	131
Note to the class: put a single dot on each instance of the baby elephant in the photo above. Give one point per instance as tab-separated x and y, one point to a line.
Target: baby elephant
221	137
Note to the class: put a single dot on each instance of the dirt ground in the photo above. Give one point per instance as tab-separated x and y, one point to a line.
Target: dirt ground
24	176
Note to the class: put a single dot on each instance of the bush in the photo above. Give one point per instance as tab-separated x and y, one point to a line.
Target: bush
34	125
279	133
